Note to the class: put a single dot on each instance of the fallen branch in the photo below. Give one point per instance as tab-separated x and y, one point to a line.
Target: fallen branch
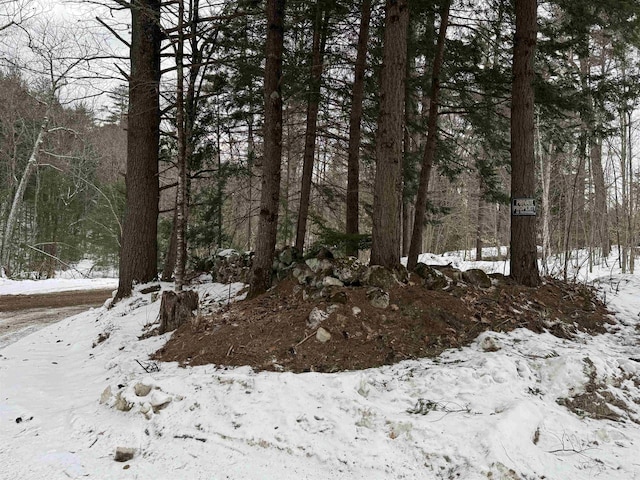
191	437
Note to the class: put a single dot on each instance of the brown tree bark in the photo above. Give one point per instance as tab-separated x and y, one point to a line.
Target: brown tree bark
524	265
313	105
355	121
387	195
170	255
270	194
181	194
601	213
480	219
138	255
431	143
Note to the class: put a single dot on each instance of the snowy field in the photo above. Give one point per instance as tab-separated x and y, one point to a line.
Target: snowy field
467	415
82	277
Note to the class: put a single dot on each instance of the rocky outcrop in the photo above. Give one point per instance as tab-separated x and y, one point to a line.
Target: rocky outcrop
231	266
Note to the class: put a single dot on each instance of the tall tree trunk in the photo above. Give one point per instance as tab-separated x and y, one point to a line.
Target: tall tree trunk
355	120
431	143
524	264
251	152
170	255
18	196
601	211
545	175
138	254
630	202
480	219
270	194
181	197
387	197
313	105
188	112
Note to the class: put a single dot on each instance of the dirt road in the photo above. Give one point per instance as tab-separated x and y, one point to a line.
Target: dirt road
21	315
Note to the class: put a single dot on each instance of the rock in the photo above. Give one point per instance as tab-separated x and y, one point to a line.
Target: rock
402	274
378	276
322	335
124	454
289	256
159	400
339	297
378	298
316	317
106	395
356	311
341	319
432	279
231	266
394	307
123	404
451	272
476	277
500	279
302	273
332	308
320	266
324	254
331	282
141	389
349	270
489	344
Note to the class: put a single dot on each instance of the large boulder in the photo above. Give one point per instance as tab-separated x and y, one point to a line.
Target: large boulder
476	277
381	277
452	273
432	279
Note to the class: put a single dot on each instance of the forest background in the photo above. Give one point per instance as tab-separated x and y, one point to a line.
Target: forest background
66	113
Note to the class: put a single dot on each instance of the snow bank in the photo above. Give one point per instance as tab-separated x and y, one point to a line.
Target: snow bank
67	402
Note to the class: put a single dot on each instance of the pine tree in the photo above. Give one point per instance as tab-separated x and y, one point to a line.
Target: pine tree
270	194
386	233
524	265
138	256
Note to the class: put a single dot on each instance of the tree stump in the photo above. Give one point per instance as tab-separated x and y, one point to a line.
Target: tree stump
176	308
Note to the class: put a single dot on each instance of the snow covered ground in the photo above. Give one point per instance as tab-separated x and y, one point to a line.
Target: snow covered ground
82	277
468	414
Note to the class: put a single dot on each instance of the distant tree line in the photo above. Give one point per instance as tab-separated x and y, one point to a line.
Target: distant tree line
380	128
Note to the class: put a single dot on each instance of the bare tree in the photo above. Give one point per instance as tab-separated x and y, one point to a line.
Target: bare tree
14	13
52	57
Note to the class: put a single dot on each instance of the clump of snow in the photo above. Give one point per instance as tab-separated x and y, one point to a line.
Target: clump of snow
473	413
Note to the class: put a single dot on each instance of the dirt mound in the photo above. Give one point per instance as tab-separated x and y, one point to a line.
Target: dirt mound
274	331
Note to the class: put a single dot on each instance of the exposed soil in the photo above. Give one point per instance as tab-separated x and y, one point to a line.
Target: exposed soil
270	332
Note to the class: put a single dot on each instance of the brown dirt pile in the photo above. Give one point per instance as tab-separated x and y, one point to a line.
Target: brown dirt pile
271	332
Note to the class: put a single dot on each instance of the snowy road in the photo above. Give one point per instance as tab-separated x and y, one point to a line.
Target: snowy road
21	315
